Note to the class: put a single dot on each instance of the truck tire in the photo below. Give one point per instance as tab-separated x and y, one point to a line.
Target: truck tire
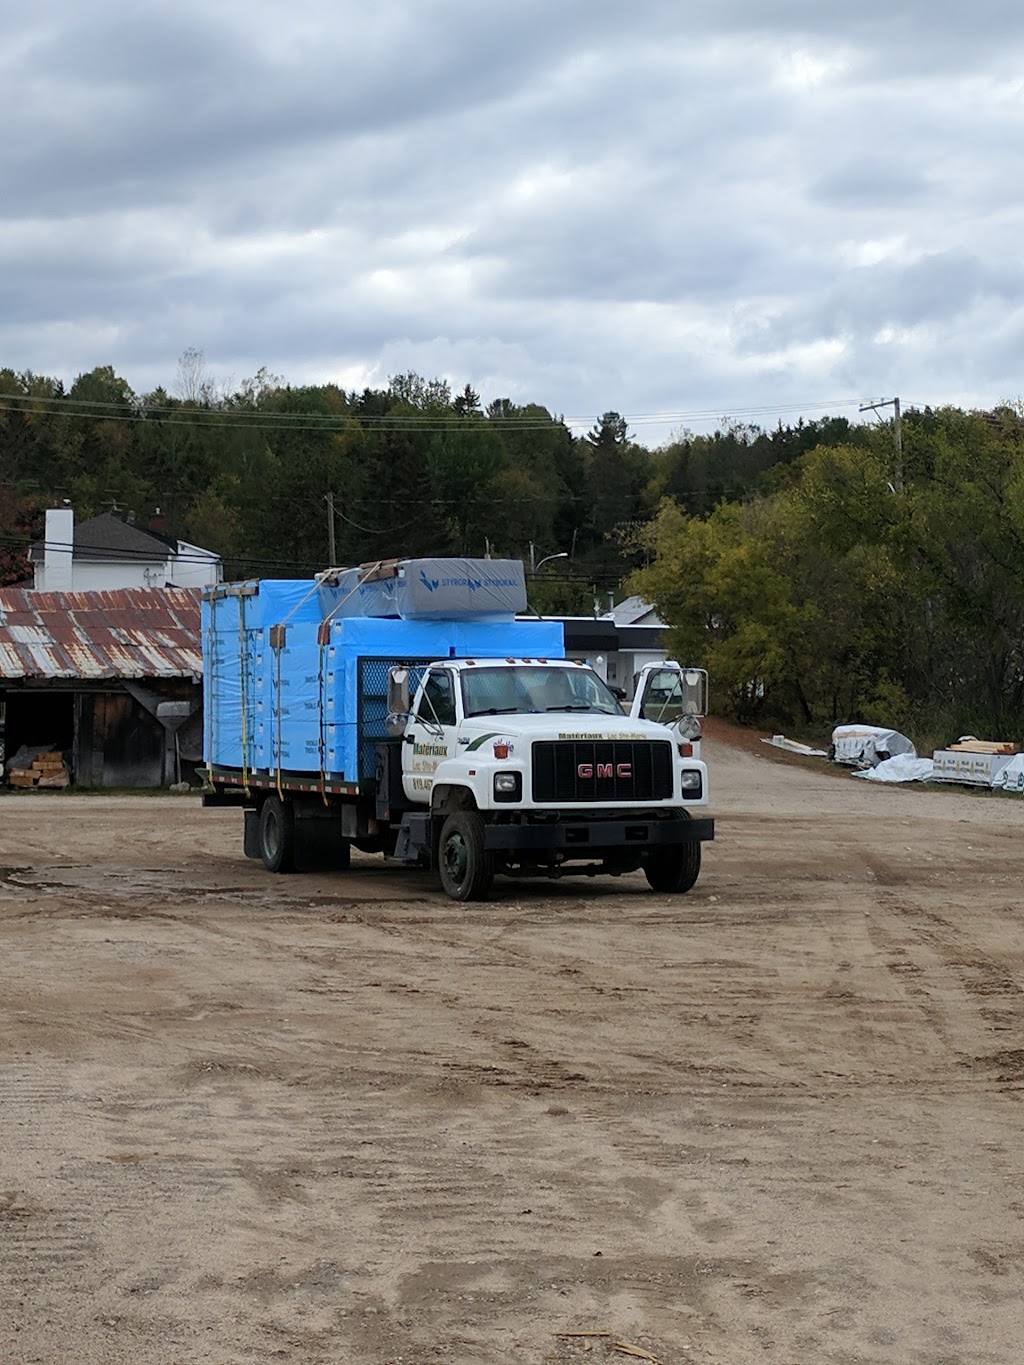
465	867
277	835
673	868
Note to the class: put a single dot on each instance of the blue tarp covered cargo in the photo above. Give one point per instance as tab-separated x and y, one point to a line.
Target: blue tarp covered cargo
286	690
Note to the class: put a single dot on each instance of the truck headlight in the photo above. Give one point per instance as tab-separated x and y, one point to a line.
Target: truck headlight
508	786
690	781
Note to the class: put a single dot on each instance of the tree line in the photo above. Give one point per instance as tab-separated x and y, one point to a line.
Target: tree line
260	473
818	575
861	582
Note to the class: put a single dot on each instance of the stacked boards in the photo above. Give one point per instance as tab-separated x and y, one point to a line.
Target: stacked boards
46	770
984	746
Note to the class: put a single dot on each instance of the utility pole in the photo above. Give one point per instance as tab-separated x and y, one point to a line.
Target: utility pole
897	423
332	552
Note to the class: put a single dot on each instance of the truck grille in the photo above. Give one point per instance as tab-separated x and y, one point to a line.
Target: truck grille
602	770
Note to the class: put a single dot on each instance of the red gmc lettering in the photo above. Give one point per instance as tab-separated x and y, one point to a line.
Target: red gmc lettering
586	770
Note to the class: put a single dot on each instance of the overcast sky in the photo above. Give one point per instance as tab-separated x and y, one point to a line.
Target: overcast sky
679	211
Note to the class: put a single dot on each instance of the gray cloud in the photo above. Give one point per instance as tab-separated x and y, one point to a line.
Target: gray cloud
660	208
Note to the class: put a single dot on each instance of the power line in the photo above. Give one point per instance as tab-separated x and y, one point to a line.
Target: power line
14	541
417	422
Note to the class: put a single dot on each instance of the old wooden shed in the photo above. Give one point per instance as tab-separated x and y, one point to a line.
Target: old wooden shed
112	680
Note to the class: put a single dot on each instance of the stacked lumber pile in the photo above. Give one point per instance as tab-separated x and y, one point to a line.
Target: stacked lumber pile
47	770
984	746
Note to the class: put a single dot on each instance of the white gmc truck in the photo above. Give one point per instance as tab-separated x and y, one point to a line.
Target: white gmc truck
332	720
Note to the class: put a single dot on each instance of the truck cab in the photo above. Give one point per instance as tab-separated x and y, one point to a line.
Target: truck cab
529	767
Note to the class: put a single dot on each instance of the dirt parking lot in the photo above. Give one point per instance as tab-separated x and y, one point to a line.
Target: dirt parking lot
339	1118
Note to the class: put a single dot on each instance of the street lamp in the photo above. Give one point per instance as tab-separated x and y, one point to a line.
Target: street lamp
562	554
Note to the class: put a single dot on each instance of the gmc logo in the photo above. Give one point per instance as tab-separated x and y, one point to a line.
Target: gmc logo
586	770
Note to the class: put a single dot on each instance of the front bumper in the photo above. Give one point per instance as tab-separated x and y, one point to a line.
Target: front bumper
582	837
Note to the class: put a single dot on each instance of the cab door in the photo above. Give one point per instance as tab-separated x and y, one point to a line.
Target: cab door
430	734
672	695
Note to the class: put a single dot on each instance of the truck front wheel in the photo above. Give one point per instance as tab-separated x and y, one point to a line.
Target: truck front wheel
673	868
277	835
465	866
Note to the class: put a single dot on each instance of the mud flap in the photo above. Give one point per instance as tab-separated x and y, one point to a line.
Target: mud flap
251	834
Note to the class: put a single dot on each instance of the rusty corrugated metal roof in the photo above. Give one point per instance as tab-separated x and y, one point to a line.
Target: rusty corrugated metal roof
130	633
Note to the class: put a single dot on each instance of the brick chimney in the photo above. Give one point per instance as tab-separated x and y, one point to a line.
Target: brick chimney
158	522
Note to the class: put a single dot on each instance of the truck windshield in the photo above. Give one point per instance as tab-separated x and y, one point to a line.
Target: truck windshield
534	688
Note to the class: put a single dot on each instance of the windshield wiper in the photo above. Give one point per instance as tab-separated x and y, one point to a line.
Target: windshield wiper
494	711
573	706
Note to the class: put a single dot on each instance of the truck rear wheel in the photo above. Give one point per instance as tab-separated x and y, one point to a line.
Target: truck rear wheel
277	835
466	868
673	868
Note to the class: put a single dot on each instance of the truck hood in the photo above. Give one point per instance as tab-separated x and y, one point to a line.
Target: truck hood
529	726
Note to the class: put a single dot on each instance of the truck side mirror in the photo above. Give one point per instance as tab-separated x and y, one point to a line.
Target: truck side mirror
398	701
695	692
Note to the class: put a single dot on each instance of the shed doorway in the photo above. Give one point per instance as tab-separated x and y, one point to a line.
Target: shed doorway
41	720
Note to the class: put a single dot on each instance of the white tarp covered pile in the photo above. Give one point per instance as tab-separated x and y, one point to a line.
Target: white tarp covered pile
902	768
910	768
865	746
881	755
1011	778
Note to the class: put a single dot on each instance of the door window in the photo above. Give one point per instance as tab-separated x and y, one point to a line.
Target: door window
437	704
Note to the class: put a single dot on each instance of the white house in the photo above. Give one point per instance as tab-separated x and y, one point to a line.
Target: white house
107	553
